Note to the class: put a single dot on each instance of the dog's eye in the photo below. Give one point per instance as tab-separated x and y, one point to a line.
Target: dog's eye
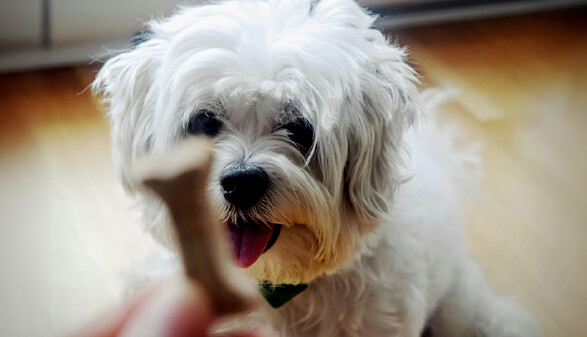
204	122
301	132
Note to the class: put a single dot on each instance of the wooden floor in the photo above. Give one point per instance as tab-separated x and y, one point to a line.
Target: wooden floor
523	84
65	223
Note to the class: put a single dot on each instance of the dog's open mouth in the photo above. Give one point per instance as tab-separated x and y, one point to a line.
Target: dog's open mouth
250	240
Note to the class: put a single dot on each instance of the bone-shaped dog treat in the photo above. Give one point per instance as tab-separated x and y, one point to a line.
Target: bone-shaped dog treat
180	179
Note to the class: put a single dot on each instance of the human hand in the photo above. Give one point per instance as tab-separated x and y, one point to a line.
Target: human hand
173	308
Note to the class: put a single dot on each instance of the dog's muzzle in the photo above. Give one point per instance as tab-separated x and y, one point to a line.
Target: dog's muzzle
243	185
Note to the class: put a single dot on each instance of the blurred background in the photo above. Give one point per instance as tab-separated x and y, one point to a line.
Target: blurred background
68	232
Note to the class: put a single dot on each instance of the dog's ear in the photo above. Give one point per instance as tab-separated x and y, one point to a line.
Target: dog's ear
124	84
377	114
390	105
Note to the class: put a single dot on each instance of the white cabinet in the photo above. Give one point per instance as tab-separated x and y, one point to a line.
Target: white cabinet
20	23
83	21
42	33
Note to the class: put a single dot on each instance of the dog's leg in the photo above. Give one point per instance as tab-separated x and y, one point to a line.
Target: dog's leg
415	321
471	309
414	327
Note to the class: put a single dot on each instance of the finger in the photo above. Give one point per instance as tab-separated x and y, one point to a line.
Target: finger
111	322
258	333
180	309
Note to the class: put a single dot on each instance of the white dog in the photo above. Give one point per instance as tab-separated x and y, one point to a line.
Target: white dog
319	177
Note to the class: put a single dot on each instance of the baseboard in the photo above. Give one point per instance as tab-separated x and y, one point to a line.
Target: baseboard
39	58
406	14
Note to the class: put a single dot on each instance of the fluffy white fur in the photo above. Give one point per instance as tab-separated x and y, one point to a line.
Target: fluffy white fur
371	215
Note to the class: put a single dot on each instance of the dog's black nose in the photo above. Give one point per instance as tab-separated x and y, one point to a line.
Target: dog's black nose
243	186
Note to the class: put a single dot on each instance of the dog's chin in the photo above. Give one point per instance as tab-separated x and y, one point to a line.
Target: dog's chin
249	240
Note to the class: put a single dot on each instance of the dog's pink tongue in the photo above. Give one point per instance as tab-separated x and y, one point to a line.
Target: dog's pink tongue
249	242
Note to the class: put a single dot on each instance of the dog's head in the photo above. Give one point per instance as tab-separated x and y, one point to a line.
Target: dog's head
306	104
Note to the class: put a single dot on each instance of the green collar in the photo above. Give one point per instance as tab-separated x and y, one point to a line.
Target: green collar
278	295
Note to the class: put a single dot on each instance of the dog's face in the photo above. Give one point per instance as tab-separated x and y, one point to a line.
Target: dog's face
306	105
